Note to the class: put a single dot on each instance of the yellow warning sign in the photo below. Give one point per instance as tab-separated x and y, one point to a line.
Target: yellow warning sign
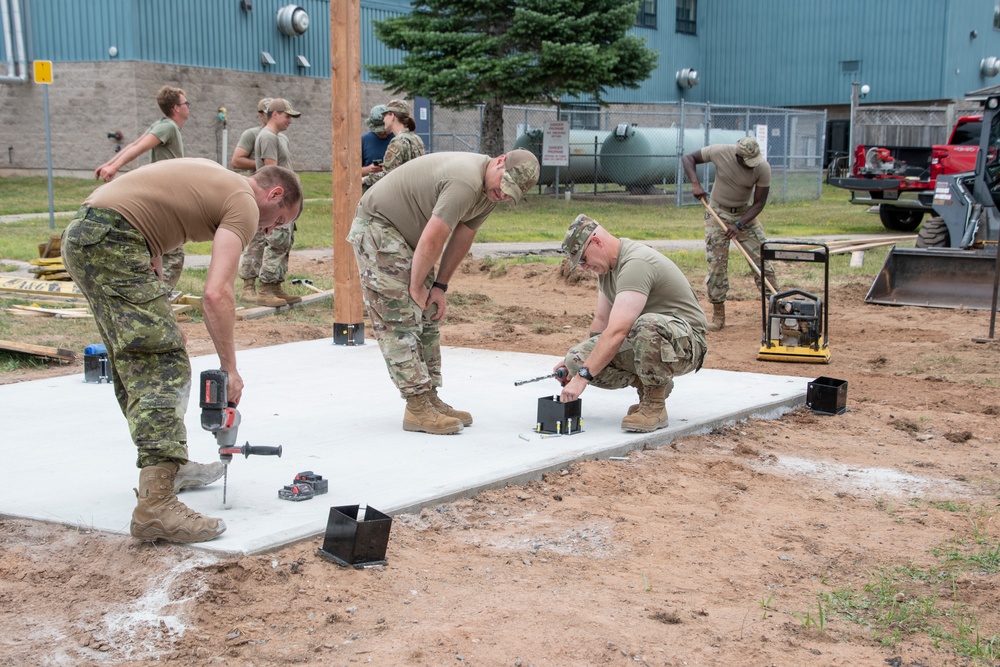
43	71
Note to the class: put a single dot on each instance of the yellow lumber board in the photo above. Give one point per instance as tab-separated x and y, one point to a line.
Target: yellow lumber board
38	350
46	261
30	286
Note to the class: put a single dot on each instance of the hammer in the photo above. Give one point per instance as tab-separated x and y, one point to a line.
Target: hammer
308	283
739	245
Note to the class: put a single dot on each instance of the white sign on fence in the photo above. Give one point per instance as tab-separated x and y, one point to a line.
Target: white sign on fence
555	144
761	132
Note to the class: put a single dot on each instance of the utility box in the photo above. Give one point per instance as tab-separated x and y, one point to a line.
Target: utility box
356	541
96	368
827	396
559	418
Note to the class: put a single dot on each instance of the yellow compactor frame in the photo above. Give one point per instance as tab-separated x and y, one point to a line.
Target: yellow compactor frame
818	352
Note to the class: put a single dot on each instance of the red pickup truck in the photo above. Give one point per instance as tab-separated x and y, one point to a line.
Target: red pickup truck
900	179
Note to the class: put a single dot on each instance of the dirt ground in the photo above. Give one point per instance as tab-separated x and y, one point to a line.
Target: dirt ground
866	538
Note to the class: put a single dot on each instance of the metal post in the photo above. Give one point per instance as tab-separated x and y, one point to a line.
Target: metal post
680	154
48	154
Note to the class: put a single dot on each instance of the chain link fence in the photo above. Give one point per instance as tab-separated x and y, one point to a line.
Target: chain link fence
632	153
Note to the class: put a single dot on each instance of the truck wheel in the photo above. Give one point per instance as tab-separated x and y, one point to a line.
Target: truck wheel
899	219
934	234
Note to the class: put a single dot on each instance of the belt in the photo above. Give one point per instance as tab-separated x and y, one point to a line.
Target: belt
106	216
731	209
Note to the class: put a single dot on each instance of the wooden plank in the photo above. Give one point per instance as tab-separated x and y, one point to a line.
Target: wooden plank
29	286
46	261
264	311
38	350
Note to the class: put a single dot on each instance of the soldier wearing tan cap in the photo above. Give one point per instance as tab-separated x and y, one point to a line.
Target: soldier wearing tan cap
244	158
405	145
741	173
426	210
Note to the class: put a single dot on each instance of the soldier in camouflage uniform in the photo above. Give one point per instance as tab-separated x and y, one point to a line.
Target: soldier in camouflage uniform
399	232
405	145
266	256
648	327
107	249
741	171
163	140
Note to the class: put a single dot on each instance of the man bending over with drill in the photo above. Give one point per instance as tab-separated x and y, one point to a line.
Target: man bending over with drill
108	249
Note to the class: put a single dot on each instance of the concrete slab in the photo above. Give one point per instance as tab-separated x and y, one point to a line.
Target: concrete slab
333	409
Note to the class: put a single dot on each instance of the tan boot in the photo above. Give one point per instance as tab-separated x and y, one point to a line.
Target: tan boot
160	516
267	295
448	411
652	412
638	386
277	290
718	316
421	416
249	291
192	475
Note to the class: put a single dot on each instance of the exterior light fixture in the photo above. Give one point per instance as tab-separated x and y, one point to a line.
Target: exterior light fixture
265	59
302	62
687	78
293	20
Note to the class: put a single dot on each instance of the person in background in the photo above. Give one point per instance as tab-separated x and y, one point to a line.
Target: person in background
163	140
742	183
405	145
266	257
243	155
374	142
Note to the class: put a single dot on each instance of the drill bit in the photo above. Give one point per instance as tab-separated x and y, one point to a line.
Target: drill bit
225	481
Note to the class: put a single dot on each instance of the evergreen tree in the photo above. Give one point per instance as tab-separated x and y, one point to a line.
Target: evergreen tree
461	53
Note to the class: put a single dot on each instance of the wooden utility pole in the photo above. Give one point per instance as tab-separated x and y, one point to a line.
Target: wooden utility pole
345	87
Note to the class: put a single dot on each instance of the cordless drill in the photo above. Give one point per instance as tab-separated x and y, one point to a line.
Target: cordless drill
222	419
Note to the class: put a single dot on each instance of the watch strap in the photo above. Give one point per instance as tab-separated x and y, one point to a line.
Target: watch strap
441	286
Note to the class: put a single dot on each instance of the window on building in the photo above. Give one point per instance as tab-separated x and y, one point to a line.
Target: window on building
996	18
646	18
687	17
581	116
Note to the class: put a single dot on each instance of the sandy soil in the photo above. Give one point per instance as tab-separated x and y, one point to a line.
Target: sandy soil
754	545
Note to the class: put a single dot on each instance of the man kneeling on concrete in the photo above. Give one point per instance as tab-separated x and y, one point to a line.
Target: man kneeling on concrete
109	249
648	327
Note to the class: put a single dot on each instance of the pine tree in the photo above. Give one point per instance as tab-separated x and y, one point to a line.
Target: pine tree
460	53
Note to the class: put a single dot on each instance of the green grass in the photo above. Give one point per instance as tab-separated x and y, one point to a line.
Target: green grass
537	218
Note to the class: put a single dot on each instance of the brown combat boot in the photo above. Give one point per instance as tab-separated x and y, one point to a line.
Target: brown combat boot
652	412
191	475
268	295
249	291
638	387
160	516
718	316
277	290
448	411
421	416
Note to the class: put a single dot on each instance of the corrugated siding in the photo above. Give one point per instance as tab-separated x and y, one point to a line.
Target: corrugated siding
199	33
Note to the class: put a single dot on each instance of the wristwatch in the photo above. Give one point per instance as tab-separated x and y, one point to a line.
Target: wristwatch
739	225
441	286
584	372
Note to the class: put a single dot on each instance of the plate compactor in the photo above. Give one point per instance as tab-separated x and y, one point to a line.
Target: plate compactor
795	323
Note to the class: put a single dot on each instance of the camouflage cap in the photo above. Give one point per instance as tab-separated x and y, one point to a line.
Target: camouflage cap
748	149
374	121
520	173
399	107
262	105
576	238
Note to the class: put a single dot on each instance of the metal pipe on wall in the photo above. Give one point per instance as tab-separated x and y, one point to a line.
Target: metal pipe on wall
13	31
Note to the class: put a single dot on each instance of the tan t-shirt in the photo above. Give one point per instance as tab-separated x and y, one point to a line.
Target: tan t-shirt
186	199
448	185
734	183
641	269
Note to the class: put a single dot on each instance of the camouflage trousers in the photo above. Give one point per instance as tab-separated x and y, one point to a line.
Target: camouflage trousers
657	349
150	371
409	339
717	251
172	263
266	255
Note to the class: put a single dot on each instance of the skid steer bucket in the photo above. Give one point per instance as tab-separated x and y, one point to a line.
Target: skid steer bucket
936	278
